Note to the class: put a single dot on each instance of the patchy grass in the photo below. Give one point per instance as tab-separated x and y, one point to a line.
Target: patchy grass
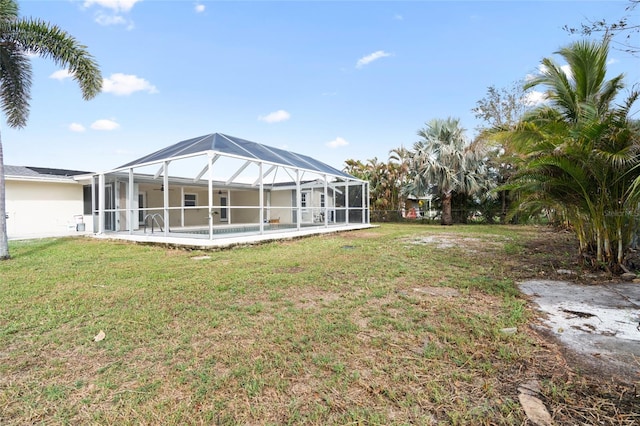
394	325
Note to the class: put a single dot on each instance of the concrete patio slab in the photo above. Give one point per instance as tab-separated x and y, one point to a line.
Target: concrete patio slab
599	322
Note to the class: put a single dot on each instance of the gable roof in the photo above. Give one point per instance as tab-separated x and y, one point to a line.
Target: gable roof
236	147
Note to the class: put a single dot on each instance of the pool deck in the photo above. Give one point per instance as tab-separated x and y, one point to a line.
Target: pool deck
230	239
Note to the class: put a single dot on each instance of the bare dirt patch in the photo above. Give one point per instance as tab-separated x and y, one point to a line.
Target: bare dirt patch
357	235
445	241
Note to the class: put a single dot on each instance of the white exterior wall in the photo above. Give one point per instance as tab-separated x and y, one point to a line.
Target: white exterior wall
280	206
41	209
246	215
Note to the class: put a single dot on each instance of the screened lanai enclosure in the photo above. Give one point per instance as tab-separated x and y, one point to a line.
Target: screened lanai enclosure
217	187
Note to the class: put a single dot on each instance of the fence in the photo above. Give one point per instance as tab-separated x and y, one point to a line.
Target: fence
459	216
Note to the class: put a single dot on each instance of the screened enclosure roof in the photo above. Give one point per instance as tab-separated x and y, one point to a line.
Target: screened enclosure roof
236	147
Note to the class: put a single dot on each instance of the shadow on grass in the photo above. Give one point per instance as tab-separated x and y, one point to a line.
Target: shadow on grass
24	248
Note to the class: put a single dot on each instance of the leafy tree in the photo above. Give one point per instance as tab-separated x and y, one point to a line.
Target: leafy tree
385	179
444	162
501	109
580	153
18	38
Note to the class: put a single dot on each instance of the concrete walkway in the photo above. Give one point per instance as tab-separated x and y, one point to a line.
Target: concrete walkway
600	322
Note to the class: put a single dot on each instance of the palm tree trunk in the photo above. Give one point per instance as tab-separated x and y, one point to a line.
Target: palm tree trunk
447	219
621	245
4	239
598	246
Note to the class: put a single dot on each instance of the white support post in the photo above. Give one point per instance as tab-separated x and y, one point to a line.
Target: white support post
131	194
298	199
326	202
363	203
165	185
210	207
101	212
368	222
182	206
161	170
267	173
228	207
206	168
94	191
346	202
261	198
116	205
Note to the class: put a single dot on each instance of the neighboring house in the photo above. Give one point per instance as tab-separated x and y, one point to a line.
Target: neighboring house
43	202
418	207
202	188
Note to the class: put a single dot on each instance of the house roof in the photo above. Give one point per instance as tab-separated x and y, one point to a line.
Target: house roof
41	173
236	147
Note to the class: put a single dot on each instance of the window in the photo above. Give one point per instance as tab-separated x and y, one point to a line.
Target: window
224	211
190	200
141	202
303	200
86	199
322	200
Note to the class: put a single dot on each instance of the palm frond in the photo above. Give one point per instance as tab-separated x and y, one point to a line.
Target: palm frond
15	85
51	42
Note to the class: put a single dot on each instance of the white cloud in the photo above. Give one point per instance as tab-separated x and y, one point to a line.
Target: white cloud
106	20
372	57
566	69
337	142
111	12
61	75
76	127
104	124
200	8
398	17
275	117
534	98
612	61
115	5
126	84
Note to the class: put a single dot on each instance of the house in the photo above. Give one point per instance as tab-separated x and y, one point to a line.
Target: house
216	189
43	202
419	207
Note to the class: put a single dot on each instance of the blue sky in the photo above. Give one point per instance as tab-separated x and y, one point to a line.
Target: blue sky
330	79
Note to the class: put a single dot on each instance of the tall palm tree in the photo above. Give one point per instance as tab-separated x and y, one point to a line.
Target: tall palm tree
579	153
443	160
582	92
18	38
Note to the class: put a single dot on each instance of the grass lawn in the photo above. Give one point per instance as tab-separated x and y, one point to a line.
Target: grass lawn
399	324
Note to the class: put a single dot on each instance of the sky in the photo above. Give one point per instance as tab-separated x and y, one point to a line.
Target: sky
334	80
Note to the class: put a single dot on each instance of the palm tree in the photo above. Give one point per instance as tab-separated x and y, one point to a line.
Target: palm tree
18	38
445	162
582	92
579	154
398	166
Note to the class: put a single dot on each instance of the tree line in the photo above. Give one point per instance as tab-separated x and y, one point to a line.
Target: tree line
572	159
